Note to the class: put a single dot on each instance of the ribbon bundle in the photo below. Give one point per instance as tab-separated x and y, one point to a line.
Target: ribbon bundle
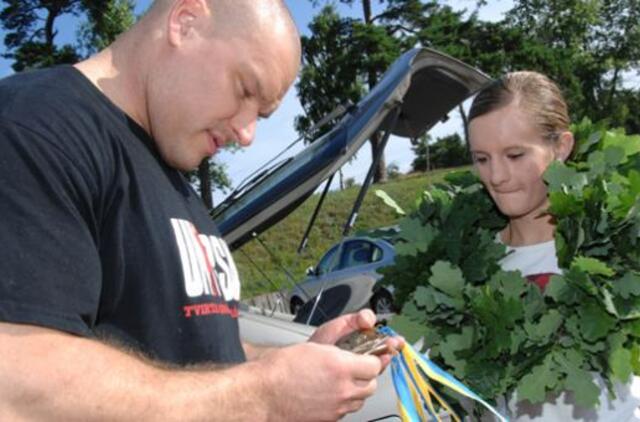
411	373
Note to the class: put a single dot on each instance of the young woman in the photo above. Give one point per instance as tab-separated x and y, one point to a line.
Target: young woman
518	126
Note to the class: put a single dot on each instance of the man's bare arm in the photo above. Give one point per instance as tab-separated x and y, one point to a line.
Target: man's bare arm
49	375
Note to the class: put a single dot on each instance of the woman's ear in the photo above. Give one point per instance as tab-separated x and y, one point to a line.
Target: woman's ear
564	146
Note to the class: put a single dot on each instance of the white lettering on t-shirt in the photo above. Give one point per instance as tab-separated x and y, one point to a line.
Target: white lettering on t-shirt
207	265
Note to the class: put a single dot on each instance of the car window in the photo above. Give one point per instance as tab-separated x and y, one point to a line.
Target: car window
327	261
359	252
377	253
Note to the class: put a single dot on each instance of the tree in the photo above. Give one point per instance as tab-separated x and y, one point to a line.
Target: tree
32	46
106	20
341	60
421	149
31	34
589	45
209	176
449	151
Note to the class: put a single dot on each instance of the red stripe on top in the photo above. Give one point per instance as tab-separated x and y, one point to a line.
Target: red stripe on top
541	280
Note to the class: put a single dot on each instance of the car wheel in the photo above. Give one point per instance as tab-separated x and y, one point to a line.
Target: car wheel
295	305
382	302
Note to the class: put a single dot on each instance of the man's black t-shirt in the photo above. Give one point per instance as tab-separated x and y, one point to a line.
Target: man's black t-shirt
99	237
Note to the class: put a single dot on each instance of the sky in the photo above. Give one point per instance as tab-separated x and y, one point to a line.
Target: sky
275	133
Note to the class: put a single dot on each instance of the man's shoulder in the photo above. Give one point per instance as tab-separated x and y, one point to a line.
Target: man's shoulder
35	99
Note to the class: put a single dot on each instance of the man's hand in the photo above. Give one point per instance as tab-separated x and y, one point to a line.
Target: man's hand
334	330
316	382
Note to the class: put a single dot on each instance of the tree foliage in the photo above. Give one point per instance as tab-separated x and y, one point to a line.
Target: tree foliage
449	151
31	29
342	59
587	47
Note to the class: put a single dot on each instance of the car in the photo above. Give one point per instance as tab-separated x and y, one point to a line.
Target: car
352	263
418	90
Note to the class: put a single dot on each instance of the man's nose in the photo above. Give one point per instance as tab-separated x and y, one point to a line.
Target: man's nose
244	127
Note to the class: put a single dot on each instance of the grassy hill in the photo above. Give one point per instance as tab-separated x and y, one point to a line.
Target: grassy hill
283	238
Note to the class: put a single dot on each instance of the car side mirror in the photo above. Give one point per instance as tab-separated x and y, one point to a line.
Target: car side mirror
311	271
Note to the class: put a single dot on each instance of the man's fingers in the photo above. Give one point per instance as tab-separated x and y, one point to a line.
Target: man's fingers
365	367
332	331
365	319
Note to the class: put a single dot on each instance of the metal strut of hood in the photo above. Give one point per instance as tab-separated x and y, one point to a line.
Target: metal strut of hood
358	203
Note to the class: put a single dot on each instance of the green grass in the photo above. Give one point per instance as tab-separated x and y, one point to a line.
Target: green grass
283	238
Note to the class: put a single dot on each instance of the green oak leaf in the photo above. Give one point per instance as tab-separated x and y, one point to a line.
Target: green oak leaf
417	237
560	177
592	266
614	155
447	278
389	201
454	343
546	327
560	291
595	323
627	286
563	204
410	329
620	357
629	144
593	139
510	283
586	391
534	386
423	296
578	380
597	164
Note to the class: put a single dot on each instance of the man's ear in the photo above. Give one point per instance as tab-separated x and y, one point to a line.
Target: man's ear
564	146
183	18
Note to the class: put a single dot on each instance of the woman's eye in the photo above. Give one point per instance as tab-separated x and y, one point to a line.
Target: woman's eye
515	156
480	160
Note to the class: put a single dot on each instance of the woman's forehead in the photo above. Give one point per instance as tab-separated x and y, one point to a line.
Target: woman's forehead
506	127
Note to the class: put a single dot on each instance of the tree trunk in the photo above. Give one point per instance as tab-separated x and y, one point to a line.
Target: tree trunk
366	9
612	91
380	173
48	26
205	183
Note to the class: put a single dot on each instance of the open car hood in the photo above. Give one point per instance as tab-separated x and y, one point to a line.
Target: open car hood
423	83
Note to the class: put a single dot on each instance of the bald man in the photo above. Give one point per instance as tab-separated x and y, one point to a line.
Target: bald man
118	299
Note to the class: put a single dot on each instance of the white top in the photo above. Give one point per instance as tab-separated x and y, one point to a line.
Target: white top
537	259
532	259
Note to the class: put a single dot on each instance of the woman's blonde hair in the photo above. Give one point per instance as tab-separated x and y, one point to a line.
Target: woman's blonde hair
535	94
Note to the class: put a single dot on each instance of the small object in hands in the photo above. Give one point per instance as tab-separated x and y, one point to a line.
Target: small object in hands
366	342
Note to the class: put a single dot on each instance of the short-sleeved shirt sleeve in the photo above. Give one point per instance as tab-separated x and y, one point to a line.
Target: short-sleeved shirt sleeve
49	265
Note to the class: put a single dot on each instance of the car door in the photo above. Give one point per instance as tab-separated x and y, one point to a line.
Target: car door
356	269
323	273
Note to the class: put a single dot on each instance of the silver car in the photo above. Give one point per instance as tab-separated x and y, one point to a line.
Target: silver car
353	265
